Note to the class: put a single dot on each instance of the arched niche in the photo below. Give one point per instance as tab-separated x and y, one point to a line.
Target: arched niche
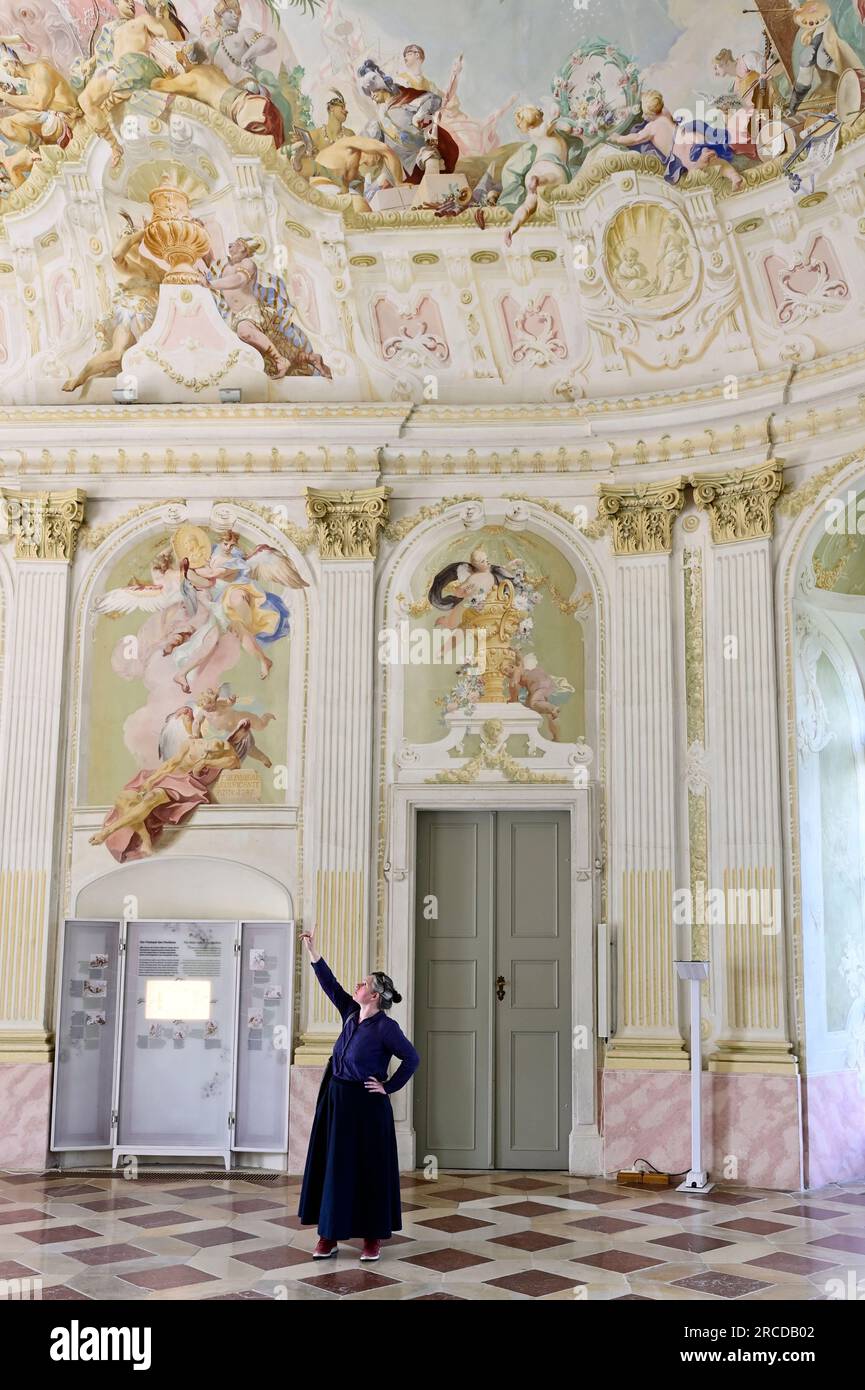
185	889
115	723
561	600
573	778
825	634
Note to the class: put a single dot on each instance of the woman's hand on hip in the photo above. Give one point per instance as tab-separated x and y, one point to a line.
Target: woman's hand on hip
373	1085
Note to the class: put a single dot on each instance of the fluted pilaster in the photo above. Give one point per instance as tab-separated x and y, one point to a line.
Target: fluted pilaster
44	529
747	852
643	874
348	525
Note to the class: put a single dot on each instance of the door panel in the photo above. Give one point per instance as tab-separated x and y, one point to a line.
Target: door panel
453	1014
533	1060
451	1127
493	1088
457	860
534	1119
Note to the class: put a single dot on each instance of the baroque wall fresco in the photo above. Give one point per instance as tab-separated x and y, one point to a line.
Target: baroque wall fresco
187	699
186	192
545	665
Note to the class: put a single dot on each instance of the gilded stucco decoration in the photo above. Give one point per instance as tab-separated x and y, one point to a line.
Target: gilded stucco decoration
741	504
641	517
348	524
45	526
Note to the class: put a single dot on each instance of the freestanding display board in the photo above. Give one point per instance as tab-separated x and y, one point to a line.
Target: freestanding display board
177	1041
174	1038
263	1038
86	1036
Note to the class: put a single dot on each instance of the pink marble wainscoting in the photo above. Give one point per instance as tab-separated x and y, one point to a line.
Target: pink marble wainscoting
303	1093
834	1128
25	1114
755	1120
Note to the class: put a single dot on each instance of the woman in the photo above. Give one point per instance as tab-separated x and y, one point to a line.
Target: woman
351	1181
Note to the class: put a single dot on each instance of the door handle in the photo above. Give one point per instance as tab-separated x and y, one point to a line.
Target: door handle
501	983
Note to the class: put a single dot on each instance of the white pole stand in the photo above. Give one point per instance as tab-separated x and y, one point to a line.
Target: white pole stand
697	1180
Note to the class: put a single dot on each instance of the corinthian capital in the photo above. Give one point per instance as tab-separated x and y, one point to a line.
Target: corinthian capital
741	504
347	524
642	517
45	525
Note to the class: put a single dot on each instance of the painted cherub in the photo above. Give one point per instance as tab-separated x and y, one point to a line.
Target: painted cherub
547	150
630	271
525	673
469	584
218	713
680	147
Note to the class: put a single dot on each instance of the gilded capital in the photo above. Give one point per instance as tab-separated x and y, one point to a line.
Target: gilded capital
347	524
741	504
45	525
642	517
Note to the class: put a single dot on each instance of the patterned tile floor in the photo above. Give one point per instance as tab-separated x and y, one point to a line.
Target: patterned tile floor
501	1235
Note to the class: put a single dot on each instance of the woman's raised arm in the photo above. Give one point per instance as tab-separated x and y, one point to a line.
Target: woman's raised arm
339	997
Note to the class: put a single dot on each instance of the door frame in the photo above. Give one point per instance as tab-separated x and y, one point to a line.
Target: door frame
584	1141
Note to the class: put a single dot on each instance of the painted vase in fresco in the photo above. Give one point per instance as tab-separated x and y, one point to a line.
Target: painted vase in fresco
499	619
174	236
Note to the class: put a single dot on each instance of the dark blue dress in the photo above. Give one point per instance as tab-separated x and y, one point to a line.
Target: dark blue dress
351	1179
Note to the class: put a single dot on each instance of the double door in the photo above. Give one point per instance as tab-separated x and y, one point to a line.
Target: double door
493	989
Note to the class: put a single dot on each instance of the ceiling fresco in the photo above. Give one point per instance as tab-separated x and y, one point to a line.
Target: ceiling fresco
315	200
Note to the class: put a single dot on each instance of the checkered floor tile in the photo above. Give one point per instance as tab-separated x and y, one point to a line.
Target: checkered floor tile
465	1235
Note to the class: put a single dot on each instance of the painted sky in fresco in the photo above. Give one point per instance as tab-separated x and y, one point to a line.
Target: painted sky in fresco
515	46
512	48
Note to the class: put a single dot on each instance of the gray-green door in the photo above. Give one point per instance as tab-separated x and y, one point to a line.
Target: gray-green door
493	988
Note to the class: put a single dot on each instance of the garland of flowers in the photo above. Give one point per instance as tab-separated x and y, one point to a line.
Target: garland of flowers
193	383
584	106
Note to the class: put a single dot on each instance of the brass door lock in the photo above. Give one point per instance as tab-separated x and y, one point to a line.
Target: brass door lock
501	982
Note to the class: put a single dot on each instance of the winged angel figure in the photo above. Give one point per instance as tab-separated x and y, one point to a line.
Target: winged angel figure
199	593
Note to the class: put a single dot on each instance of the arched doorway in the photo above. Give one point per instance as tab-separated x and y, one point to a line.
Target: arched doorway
829	646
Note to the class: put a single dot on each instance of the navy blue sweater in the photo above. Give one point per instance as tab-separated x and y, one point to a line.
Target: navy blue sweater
364	1048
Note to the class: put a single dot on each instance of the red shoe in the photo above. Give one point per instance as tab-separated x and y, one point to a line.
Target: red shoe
371	1250
324	1249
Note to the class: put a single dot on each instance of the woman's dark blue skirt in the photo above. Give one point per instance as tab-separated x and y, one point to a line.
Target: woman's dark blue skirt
351	1180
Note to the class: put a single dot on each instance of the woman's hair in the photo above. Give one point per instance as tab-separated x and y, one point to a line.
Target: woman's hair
385	989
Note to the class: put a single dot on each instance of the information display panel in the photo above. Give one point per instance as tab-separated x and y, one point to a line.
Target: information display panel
178	1037
86	1035
264	1036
